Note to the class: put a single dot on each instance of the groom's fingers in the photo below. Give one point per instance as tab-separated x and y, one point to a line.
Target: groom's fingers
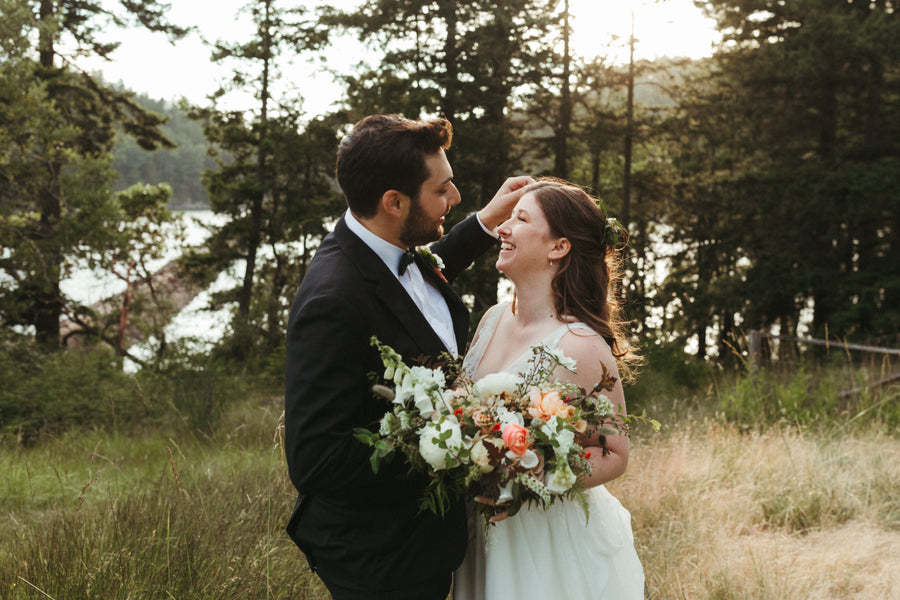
500	207
514	183
500	516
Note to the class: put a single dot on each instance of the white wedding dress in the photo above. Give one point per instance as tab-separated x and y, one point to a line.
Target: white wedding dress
547	554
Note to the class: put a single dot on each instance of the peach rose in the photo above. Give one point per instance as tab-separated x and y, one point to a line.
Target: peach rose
549	404
482	420
516	439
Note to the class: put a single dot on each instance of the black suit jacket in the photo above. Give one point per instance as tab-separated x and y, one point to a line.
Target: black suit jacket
358	529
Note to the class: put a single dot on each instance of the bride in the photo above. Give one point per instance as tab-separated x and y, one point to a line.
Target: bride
558	249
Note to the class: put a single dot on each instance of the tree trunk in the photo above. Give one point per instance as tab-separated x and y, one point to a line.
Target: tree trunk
451	59
254	237
48	304
561	166
629	134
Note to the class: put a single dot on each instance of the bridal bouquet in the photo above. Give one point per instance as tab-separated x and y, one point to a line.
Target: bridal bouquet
509	438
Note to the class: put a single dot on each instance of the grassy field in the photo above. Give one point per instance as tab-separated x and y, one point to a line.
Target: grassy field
719	512
721	515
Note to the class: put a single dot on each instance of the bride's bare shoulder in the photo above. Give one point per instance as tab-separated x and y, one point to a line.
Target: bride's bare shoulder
590	352
496	311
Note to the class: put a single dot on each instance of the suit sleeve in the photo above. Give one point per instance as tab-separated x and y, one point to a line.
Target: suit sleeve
327	395
459	248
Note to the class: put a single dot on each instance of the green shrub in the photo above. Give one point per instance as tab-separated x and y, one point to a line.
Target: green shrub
825	394
667	379
46	394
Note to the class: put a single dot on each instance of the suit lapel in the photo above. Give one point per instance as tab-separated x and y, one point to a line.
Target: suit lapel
392	294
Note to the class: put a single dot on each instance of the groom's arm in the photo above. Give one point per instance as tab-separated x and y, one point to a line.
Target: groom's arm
465	242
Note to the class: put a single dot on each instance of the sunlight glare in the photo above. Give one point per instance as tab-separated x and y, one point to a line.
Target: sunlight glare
673	28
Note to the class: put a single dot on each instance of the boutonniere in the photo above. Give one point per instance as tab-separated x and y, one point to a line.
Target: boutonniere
434	261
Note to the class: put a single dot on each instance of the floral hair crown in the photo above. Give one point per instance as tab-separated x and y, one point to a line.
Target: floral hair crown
614	233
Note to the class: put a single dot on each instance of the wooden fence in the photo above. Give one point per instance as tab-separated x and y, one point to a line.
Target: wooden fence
757	335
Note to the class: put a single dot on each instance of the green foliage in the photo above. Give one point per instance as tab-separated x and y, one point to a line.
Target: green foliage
49	394
788	157
665	379
809	396
273	181
57	127
274	235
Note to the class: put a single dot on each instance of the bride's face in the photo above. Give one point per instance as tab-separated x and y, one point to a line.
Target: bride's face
526	241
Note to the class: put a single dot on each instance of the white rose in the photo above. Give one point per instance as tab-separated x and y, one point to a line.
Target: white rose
562	437
506	417
496	385
436	451
481	456
529	460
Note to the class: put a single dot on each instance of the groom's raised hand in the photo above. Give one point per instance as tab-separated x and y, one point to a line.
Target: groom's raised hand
501	205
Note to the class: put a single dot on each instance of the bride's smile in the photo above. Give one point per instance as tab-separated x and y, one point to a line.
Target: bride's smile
526	239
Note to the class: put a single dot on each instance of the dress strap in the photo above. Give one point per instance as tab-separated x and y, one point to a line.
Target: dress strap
483	337
554	338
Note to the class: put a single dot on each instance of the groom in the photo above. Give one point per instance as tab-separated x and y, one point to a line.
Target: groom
361	532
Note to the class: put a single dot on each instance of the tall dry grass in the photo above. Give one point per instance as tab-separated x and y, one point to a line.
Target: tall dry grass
719	514
778	515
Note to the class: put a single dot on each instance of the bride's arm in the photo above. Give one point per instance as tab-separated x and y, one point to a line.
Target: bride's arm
591	353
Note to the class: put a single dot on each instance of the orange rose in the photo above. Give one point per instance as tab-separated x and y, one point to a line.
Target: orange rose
516	439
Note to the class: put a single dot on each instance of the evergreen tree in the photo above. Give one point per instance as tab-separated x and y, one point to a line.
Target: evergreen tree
268	199
789	155
180	167
60	126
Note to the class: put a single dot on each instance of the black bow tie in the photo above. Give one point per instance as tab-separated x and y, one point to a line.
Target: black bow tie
406	259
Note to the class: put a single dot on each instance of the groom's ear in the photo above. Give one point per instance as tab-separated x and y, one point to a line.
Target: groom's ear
395	203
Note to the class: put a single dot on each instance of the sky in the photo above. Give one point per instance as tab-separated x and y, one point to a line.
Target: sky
148	63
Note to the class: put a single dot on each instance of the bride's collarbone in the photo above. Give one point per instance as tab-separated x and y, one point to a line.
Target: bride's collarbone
510	341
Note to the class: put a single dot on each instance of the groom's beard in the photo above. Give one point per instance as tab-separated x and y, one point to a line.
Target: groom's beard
418	228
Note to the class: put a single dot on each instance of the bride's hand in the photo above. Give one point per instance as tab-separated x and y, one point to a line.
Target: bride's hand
498	516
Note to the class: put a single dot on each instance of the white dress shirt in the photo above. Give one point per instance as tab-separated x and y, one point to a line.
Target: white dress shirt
427	297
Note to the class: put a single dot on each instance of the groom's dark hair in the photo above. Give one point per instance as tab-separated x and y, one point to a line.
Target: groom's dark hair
387	152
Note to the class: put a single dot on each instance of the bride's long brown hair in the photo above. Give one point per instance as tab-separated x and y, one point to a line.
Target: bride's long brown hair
585	284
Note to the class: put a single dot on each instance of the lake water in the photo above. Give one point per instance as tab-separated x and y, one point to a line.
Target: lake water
201	326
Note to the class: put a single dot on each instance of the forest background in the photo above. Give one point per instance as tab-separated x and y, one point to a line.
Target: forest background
760	187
